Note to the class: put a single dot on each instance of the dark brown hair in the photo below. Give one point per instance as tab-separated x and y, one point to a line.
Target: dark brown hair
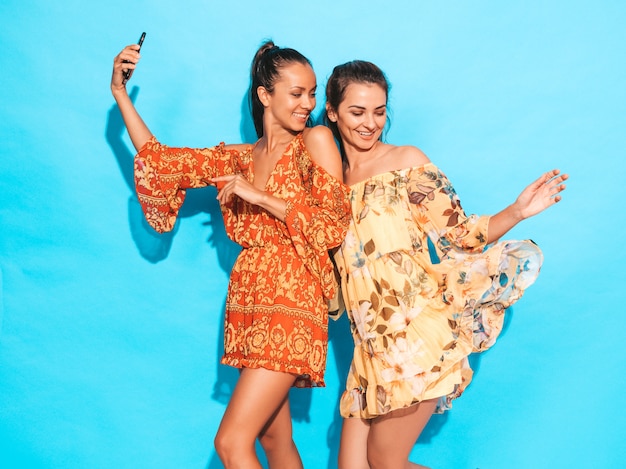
264	72
356	71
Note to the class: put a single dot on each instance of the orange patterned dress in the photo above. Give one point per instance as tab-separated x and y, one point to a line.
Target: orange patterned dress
276	309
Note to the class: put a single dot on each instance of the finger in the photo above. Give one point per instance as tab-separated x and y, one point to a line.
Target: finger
131	48
224	197
222	183
561	187
555	192
551	175
224	194
124	64
127	71
557	182
129	60
128	55
554	178
541	181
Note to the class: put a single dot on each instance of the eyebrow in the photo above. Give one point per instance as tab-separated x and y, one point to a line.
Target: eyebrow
303	88
363	108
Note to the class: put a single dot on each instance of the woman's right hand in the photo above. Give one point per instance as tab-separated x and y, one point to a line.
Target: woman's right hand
137	129
127	59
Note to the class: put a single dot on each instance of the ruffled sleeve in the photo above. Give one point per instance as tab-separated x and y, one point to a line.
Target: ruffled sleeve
318	220
162	175
440	212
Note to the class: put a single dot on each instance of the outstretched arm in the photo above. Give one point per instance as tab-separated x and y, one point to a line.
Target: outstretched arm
137	129
537	197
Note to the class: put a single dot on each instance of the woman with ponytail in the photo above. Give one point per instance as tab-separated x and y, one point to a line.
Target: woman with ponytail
283	202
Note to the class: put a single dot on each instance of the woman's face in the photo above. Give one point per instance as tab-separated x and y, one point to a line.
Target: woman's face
361	116
293	99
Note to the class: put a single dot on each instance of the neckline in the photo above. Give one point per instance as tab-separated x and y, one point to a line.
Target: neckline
279	161
391	171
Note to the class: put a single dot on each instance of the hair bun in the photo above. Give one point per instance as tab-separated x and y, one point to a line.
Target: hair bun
266	47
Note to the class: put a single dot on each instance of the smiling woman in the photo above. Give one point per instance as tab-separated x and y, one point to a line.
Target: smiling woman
282	202
415	321
293	97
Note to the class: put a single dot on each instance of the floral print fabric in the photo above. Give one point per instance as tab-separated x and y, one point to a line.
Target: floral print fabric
276	310
422	290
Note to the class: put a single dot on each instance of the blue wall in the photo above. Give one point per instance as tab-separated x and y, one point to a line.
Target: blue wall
110	335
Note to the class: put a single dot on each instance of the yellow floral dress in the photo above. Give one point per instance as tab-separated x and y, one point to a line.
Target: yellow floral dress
422	290
276	310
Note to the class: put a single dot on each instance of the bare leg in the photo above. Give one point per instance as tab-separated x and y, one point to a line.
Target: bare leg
277	442
392	436
258	397
353	444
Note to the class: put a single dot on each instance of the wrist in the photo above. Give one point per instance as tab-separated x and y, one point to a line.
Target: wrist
516	213
118	91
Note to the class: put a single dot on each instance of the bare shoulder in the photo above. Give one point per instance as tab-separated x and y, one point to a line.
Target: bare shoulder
409	156
318	135
321	146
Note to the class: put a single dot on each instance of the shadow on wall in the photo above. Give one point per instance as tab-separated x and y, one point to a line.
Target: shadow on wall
246	127
341	342
1	299
152	246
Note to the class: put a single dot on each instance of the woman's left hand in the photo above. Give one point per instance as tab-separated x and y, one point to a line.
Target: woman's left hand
541	194
236	184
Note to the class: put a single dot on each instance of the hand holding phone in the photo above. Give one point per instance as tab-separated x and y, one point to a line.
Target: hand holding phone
128	73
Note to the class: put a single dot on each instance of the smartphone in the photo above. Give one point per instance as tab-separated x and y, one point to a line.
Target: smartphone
128	73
